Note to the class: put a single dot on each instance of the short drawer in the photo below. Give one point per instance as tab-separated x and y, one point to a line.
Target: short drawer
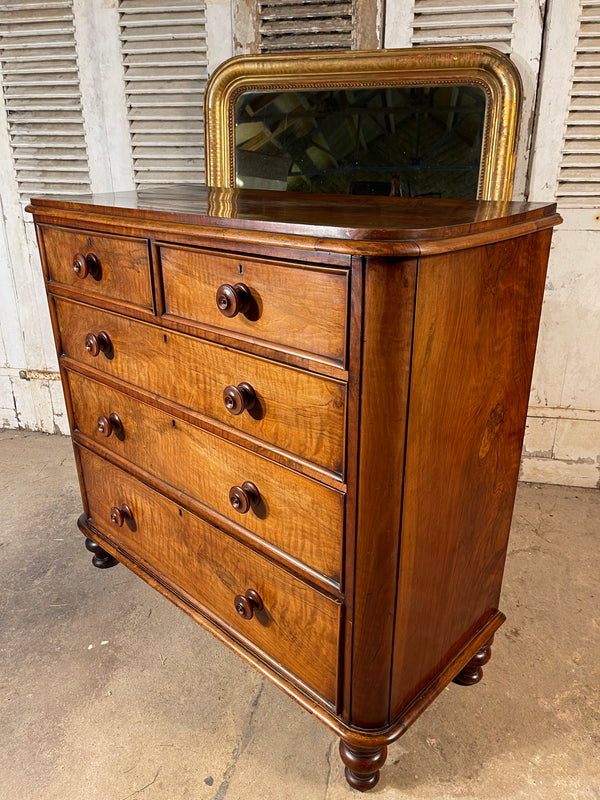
296	514
298	411
296	627
112	266
300	306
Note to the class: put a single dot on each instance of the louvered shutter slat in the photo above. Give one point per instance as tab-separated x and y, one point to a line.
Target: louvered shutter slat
464	22
312	26
302	11
40	82
165	63
289	26
579	177
170	59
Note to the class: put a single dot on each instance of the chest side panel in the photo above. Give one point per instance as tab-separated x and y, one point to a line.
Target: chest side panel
476	320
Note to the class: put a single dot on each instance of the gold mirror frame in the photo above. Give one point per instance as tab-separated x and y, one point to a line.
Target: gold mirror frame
484	67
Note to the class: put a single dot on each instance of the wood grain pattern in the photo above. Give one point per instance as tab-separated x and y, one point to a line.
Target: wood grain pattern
243	520
310	242
124	263
213	568
300	516
298	411
305	308
381	220
474	345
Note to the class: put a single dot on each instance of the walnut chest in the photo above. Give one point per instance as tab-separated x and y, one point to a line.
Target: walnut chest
300	417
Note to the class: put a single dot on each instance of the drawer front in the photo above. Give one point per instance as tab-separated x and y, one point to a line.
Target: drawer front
111	266
297	411
297	306
298	515
297	627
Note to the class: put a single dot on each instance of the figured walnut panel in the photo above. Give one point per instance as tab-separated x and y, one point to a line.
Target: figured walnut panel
119	266
293	305
295	410
476	321
295	623
298	515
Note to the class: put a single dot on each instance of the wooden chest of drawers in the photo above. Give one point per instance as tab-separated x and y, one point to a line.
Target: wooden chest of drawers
300	419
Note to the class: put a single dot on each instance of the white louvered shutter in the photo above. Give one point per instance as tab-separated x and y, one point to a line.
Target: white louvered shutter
164	58
284	26
40	82
579	176
488	22
512	26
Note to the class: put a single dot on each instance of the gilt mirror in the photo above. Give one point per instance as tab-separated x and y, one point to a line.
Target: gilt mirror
423	122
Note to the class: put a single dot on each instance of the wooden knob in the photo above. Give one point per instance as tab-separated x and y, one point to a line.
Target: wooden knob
244	496
233	300
80	268
109	425
239	398
87	265
246	604
119	515
95	344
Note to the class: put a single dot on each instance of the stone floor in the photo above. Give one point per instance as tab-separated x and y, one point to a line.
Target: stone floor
108	692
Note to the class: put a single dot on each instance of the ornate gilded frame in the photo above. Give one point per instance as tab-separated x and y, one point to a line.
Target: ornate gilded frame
479	66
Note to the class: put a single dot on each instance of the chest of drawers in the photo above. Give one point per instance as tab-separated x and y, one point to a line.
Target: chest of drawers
300	418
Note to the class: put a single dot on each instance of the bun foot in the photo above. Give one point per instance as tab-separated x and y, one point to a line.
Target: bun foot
472	672
101	559
362	765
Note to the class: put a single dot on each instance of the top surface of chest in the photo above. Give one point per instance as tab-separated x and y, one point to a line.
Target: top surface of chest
376	222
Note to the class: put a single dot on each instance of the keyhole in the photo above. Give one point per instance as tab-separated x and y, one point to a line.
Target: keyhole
241	269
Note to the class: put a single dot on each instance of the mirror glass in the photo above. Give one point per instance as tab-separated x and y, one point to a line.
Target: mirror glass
410	141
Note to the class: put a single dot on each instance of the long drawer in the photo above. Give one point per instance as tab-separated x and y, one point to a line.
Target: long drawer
300	306
298	515
287	620
111	266
297	411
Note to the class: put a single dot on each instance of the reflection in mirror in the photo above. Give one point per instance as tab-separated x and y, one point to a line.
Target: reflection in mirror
411	141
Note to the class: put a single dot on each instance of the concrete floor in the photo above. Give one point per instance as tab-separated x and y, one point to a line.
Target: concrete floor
108	692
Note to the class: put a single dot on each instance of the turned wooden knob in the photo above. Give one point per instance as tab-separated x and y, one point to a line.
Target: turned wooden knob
95	344
109	425
244	496
239	398
87	265
233	300
247	604
119	515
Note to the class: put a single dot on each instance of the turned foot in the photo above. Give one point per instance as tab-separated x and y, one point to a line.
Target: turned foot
362	765
101	559
473	671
